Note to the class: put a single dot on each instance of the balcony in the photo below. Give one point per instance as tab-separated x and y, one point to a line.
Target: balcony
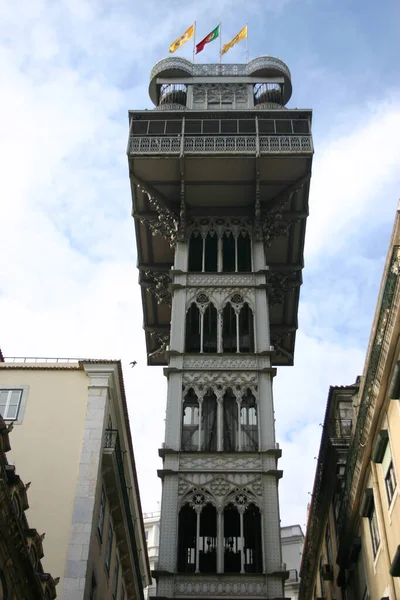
255	136
340	431
117	494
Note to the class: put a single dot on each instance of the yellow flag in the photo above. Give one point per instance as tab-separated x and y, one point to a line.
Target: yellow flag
178	43
239	37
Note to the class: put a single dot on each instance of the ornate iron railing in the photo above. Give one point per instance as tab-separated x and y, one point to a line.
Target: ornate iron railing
225	144
111	441
210	70
377	356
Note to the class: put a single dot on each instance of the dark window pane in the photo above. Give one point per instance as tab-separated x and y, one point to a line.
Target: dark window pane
156	127
211	253
139	127
211	126
283	126
244	253
247	126
210	329
229	342
266	126
301	126
193	329
195	252
173	127
229	126
228	253
192	126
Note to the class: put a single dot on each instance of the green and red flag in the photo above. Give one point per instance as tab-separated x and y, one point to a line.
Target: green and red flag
209	38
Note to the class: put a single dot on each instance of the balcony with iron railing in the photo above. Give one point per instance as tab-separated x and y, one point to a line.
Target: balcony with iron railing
117	492
220	136
340	431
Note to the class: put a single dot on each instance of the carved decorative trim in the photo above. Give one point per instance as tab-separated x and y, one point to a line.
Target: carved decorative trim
223	379
223	586
221	279
220	463
165	222
226	362
160	286
219	226
219	297
222	486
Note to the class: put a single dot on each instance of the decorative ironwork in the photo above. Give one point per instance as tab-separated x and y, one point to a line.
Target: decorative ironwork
226	144
216	70
163	341
274	222
111	440
160	286
279	285
371	386
164	222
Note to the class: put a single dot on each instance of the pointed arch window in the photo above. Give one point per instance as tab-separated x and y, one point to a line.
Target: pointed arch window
190	423
252	539
246	329
195	252
229	252
243	253
187	530
192	342
209	424
211	253
210	329
208	540
229	329
230	422
248	423
232	540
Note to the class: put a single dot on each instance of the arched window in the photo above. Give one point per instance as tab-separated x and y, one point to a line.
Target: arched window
230	429
195	252
190	422
229	338
192	343
232	540
246	329
248	423
211	253
187	539
210	329
252	540
228	253
244	252
208	540
209	422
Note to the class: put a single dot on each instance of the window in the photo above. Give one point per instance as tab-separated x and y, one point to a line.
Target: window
115	578
226	251
109	547
328	545
187	539
229	337
210	329
102	512
252	540
230	411
10	401
208	540
190	422
248	423
390	482
192	342
209	422
374	529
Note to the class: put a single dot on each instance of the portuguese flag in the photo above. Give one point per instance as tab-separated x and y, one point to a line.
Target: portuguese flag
209	38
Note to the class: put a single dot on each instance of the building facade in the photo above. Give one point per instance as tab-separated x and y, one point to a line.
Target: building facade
72	439
292	540
21	548
152	533
352	548
220	175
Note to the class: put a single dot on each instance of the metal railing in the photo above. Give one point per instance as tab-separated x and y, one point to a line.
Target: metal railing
293	576
35	359
111	441
224	144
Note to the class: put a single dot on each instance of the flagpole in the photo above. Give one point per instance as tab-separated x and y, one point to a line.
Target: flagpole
194	40
247	42
220	44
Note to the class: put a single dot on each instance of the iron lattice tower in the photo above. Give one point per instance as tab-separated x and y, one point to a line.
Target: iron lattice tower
220	175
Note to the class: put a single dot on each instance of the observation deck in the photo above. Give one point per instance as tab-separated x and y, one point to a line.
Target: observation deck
220	142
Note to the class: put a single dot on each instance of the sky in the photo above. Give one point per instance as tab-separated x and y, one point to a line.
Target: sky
69	72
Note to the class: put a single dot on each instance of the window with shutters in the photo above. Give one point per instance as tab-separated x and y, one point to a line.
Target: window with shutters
12	403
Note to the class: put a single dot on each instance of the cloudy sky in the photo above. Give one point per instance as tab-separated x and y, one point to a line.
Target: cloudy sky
69	72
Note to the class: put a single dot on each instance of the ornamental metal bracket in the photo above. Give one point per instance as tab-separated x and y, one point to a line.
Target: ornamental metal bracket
181	236
159	286
164	222
273	221
277	340
163	341
279	285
